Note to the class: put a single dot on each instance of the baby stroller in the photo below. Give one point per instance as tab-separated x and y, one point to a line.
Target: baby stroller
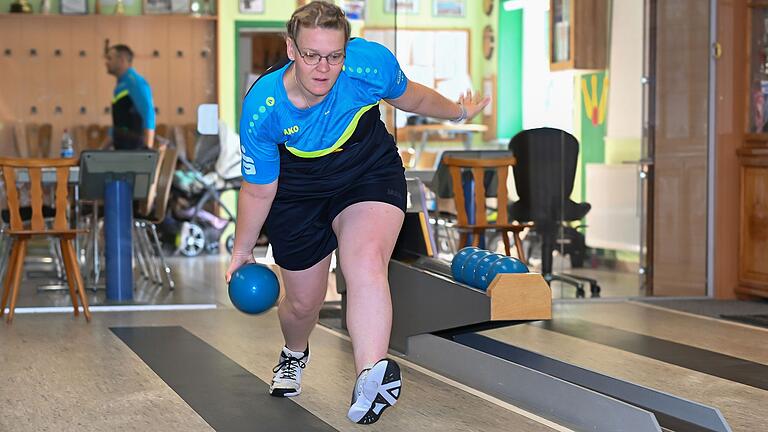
215	170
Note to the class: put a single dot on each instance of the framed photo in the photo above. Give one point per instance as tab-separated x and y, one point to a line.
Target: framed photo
74	7
157	6
448	8
180	6
401	6
252	6
354	9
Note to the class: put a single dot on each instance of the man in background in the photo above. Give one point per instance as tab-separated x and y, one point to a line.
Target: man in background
133	112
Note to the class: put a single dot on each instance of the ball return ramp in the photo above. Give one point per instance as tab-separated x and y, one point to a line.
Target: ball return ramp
436	321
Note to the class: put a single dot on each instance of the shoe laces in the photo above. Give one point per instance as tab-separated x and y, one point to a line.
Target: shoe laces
288	367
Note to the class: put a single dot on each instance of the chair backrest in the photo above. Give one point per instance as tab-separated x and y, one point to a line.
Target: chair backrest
80	139
545	171
478	167
185	138
147	205
162	130
164	181
34	172
426	160
33	140
95	136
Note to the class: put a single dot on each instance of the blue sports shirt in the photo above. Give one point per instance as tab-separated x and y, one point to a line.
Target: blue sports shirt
370	73
132	110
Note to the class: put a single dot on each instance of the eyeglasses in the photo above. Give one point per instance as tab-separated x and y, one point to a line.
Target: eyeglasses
312	59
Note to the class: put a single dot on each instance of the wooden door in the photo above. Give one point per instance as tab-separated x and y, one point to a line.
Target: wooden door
108	32
203	63
181	110
59	110
680	153
753	239
87	66
33	86
10	52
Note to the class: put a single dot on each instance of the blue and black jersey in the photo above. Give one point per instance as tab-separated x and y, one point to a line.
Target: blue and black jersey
328	157
269	120
132	111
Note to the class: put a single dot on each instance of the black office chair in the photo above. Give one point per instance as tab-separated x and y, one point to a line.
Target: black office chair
544	175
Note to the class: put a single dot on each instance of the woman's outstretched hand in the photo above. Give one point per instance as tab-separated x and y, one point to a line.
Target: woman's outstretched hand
473	103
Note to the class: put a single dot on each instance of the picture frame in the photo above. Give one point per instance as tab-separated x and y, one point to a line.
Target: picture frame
152	7
410	7
449	8
354	9
251	6
73	7
181	6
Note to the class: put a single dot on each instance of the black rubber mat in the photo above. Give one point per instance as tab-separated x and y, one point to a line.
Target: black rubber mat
755	320
701	360
225	394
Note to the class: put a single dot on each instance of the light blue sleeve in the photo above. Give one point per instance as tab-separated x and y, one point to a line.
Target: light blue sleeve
388	80
260	156
141	95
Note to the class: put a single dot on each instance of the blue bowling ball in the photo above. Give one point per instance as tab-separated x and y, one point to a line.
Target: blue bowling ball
253	288
470	265
481	272
458	261
505	265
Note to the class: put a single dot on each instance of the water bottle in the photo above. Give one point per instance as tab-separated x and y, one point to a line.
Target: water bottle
67	146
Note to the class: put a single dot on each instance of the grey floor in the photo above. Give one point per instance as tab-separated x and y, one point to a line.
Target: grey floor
85	378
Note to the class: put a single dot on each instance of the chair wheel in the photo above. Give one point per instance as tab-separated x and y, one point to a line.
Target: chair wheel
580	293
595	290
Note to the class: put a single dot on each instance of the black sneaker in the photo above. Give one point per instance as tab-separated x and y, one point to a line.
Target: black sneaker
287	379
376	389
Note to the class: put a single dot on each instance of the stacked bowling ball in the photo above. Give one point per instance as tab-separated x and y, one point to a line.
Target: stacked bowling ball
477	267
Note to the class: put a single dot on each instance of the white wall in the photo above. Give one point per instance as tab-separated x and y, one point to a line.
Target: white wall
625	98
548	97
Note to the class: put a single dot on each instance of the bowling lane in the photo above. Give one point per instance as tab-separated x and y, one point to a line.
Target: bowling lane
88	376
714	335
744	407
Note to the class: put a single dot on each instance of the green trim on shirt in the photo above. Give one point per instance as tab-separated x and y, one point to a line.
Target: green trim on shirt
342	139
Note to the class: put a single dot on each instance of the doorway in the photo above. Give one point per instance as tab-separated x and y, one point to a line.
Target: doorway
257	49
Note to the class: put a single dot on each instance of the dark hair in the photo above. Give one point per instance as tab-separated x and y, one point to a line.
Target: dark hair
124	51
318	14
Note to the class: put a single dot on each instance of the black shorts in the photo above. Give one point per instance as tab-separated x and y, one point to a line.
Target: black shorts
313	191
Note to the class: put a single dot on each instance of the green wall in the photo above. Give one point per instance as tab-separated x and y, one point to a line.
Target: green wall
509	101
132	7
275	11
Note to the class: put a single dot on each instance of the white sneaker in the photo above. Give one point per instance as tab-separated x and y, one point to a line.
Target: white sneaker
376	389
287	379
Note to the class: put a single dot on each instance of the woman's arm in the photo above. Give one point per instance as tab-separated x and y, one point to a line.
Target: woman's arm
254	203
423	100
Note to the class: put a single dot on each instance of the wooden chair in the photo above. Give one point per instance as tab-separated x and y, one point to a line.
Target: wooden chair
155	214
185	138
95	136
21	232
33	140
162	130
481	224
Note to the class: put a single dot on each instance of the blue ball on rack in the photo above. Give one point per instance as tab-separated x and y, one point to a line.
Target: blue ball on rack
457	263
